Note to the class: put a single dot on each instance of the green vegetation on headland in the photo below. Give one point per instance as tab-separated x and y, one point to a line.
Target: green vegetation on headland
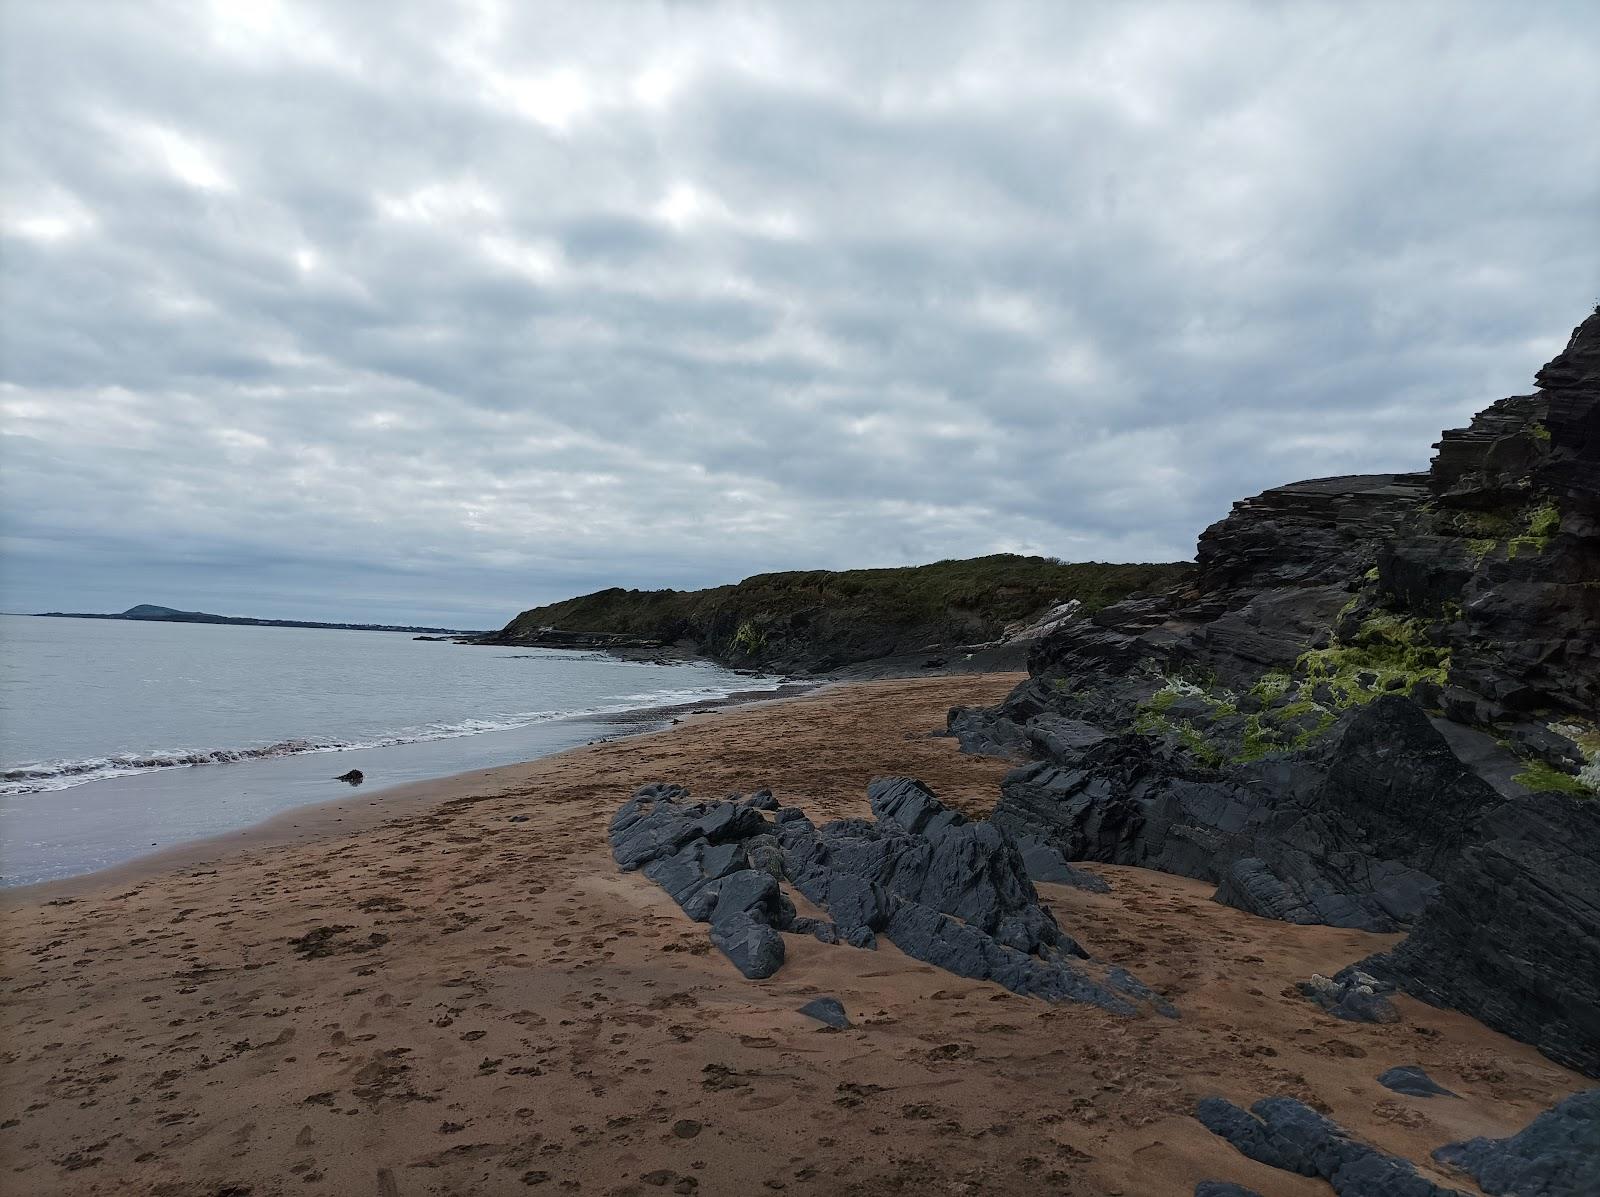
818	619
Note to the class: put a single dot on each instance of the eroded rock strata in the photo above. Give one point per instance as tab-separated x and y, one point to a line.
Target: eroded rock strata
1376	705
1555	1155
1281	1132
944	889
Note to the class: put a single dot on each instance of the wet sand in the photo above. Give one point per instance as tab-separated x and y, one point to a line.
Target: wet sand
501	1011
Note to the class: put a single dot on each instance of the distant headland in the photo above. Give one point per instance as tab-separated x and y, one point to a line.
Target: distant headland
151	613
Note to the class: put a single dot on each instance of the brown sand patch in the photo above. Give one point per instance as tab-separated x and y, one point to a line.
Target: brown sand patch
501	1011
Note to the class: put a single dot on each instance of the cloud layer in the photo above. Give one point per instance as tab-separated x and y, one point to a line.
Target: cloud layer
438	315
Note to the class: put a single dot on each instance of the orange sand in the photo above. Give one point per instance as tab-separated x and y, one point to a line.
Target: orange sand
507	1013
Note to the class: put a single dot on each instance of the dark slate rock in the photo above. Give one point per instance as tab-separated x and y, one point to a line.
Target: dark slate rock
827	1010
1413	1082
1050	735
1287	1134
1351	835
860	937
1514	937
1555	1155
755	948
1044	863
985	733
1352	996
907	804
1222	1188
948	890
1373	826
1123	981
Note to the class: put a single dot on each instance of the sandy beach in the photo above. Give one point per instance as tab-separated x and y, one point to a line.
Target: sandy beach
451	989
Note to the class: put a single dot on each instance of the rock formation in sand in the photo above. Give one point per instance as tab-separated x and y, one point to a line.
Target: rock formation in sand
945	889
1555	1155
1377	705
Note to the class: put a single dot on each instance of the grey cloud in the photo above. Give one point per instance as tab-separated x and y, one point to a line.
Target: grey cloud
475	306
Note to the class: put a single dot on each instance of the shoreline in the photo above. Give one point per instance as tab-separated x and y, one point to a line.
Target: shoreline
359	807
465	994
321	813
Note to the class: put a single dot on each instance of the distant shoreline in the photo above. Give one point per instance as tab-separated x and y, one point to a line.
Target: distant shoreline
169	615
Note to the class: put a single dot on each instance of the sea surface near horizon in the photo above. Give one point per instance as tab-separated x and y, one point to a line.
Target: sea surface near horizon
122	738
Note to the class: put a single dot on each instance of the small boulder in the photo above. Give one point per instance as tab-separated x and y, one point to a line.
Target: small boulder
1413	1082
1555	1155
828	1011
355	777
1351	995
756	949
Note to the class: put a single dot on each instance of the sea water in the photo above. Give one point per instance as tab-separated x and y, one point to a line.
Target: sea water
120	738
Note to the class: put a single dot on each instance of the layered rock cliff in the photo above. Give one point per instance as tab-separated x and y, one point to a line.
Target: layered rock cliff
1374	705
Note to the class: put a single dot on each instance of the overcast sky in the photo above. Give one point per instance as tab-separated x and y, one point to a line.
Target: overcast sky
431	312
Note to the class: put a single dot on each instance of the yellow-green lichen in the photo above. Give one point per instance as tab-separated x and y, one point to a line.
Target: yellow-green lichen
1540	776
1392	648
1544	520
1151	723
1272	685
749	639
1259	740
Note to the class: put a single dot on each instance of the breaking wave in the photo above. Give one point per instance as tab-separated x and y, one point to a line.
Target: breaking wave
39	777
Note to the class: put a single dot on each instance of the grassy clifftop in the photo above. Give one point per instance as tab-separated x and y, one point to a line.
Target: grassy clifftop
824	618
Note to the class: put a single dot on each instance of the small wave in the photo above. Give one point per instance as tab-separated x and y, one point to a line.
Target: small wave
40	777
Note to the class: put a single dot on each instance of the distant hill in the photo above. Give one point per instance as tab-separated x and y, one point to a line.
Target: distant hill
150	612
817	620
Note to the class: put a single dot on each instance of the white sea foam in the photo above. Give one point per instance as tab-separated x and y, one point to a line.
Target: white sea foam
43	776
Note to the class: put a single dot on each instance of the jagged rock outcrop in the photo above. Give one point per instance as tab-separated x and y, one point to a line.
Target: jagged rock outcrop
944	889
1281	1132
1352	834
1513	938
1555	1155
1266	726
1352	995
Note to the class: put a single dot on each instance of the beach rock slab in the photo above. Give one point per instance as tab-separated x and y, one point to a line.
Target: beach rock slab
1222	1188
1514	937
1355	833
949	891
1288	1134
1351	995
1413	1082
755	948
1045	863
946	889
1555	1155
827	1010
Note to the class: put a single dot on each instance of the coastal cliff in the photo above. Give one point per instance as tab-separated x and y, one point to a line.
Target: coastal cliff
817	621
1374	705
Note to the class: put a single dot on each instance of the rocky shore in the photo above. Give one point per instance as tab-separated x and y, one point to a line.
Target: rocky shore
458	990
1282	881
1374	706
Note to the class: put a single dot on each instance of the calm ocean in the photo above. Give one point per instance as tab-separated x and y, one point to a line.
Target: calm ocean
121	738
